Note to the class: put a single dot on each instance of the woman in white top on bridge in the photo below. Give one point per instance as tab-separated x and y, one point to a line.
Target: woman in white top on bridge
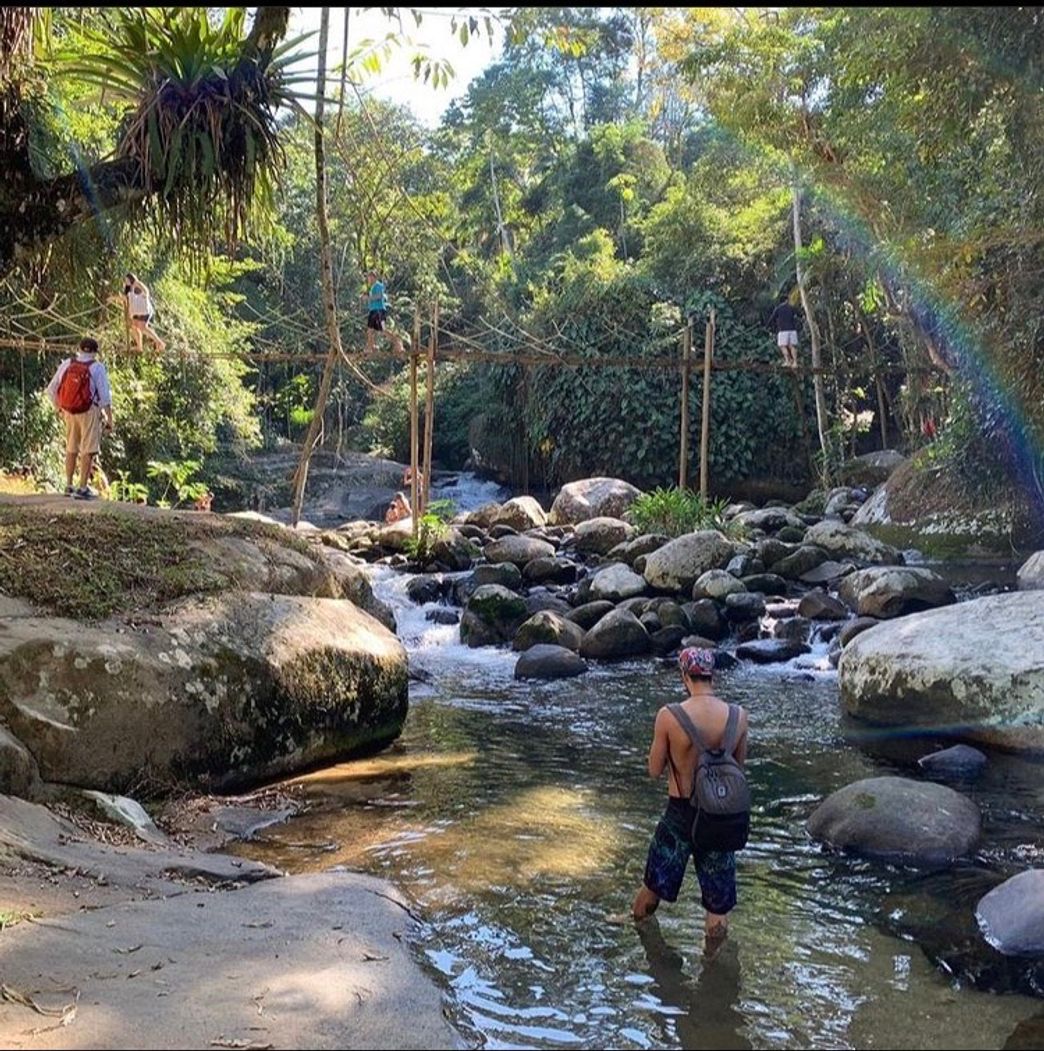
140	311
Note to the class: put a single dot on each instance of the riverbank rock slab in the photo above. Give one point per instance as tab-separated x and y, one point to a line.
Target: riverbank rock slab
973	670
896	818
319	961
218	691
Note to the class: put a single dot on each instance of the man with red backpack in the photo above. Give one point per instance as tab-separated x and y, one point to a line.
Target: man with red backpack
80	392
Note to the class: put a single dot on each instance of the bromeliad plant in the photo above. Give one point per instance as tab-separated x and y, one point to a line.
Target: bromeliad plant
675	512
203	103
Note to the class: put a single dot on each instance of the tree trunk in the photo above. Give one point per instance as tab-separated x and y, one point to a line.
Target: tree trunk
813	331
333	332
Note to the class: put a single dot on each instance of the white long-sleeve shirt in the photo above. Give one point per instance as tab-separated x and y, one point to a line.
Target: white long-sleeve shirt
101	393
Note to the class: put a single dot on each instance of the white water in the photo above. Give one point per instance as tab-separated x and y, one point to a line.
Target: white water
469	492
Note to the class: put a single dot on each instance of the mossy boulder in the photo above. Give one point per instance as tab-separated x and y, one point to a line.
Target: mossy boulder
215	692
898	819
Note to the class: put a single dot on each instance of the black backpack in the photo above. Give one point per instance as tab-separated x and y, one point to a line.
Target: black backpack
720	793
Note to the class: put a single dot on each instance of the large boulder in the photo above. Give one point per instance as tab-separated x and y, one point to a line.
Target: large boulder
506	574
705	618
492	616
1011	916
769	519
550	571
600	535
645	544
549	628
454	550
521	513
717	584
590	613
616	583
217	691
894	591
1031	573
592	498
795	565
677	566
483	516
898	819
960	760
974	670
843	541
871	469
818	605
618	634
549	662
518	550
770	651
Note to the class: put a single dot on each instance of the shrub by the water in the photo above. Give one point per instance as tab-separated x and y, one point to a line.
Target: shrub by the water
675	512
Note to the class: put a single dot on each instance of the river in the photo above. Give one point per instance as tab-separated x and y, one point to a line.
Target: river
517	815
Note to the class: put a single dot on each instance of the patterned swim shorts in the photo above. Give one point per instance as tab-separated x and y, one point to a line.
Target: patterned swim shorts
669	854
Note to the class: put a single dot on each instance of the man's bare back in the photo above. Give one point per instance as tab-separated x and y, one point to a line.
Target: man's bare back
710	714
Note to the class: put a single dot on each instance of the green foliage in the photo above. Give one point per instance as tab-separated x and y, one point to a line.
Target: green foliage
203	109
431	528
176	475
121	488
674	512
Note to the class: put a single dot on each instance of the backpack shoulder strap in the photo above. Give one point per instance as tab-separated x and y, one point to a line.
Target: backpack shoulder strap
687	725
731	730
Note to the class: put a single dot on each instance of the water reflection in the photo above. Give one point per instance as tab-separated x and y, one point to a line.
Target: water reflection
708	1014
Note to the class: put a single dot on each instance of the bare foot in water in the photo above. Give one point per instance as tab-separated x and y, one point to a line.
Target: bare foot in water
619	919
714	935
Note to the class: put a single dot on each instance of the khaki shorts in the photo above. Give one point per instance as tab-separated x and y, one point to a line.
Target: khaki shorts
83	432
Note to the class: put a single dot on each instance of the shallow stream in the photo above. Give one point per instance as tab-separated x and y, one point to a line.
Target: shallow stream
517	816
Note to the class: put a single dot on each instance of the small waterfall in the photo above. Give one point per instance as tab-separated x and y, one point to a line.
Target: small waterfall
468	492
435	650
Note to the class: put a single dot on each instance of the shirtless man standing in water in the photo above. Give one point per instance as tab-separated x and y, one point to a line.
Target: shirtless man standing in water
672	749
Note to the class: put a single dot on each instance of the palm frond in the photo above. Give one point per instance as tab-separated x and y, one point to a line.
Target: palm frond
202	114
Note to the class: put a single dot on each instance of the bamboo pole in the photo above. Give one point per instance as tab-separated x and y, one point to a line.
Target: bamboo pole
414	445
429	404
683	454
708	356
882	413
524	416
333	330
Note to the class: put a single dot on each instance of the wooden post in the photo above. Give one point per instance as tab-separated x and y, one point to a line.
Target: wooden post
524	417
881	413
708	356
429	404
414	446
683	457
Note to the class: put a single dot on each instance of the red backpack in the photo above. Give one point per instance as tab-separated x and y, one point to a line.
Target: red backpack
74	391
